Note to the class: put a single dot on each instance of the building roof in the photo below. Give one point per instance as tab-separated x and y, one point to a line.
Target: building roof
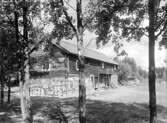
89	53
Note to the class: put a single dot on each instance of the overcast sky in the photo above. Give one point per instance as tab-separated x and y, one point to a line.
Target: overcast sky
139	51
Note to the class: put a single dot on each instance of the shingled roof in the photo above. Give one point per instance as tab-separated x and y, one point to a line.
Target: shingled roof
89	53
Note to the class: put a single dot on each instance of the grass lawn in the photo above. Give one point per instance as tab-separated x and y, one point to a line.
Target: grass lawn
126	104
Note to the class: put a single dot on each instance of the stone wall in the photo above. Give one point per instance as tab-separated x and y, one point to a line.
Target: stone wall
58	87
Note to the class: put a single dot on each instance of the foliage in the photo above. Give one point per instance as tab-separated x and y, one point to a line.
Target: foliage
115	20
8	53
132	64
124	72
20	16
132	28
163	42
143	74
128	69
54	13
161	73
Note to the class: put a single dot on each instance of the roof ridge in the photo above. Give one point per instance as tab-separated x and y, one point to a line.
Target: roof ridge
89	52
86	48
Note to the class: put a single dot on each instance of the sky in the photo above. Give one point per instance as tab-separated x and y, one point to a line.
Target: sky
139	51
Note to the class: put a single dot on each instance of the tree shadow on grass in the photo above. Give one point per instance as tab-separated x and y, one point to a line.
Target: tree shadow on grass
52	110
97	111
4	118
10	113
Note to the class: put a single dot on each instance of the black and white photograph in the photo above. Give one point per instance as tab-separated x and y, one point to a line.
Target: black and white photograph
83	61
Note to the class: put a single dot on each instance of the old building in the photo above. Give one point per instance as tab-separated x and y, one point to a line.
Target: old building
60	60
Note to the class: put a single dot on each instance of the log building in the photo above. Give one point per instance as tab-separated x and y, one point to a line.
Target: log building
61	61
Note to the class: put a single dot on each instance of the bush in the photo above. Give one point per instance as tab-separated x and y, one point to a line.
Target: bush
124	72
128	70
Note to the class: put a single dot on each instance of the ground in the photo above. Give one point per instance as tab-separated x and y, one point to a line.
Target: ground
125	104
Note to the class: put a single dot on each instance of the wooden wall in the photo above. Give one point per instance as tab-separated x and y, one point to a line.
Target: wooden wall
62	64
92	66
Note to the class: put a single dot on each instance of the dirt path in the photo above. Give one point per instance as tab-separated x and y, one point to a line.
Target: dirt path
131	94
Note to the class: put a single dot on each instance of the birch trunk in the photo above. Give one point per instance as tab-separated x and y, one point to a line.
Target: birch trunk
25	77
2	91
9	90
82	86
152	77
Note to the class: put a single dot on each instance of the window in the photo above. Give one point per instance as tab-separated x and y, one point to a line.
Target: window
102	66
77	65
114	67
45	67
92	78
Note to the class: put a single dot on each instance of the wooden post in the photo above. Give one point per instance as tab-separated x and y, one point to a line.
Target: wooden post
98	78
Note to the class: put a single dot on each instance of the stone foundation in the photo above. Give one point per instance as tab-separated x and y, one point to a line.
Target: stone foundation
58	87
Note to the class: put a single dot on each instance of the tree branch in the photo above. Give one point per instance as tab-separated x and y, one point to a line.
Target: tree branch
157	4
160	32
162	21
34	47
146	34
70	5
92	16
68	17
11	23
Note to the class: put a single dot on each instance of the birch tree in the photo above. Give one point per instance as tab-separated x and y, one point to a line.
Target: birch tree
131	27
86	21
19	15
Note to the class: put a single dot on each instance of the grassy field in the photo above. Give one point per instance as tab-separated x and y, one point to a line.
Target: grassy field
125	104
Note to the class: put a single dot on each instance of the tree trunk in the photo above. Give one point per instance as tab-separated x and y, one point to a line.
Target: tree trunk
9	91
25	96
2	93
25	79
16	27
82	86
152	77
2	86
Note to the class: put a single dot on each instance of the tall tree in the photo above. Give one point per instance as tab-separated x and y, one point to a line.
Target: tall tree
130	27
96	13
82	86
25	76
20	16
8	50
2	38
65	27
152	86
79	35
30	42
